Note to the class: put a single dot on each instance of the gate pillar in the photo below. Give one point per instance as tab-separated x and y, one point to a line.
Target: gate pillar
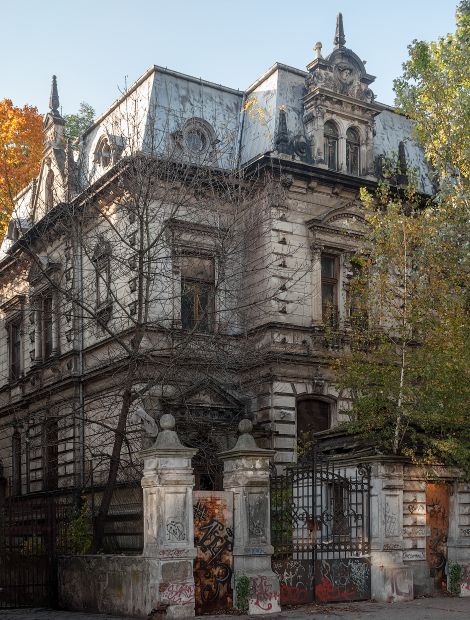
391	579
246	474
169	550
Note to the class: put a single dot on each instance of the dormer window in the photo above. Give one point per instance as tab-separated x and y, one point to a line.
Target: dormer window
196	141
198	138
330	134
103	153
352	151
12	232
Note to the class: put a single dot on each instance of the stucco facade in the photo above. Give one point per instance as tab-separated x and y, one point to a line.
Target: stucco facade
318	133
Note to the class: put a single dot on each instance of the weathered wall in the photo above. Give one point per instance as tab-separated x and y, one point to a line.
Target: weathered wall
459	534
111	584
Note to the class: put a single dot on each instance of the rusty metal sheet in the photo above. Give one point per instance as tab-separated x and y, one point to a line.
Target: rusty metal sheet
213	538
437	521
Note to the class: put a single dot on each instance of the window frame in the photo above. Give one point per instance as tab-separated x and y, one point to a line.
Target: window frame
51	454
102	280
102	158
333	320
47	325
353	146
331	140
196	284
16	462
14	325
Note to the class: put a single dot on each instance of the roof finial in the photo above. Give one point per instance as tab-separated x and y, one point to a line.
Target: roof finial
340	39
54	98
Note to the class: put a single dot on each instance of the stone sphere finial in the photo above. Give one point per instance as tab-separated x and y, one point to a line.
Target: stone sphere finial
167	422
245	426
318	47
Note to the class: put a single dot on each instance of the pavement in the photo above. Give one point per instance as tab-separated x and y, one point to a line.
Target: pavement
438	608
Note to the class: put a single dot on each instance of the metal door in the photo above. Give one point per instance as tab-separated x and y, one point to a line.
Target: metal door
437	521
213	538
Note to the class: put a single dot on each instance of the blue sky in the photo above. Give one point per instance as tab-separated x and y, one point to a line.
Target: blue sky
96	46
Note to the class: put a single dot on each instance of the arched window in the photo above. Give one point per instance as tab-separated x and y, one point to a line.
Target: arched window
313	416
103	153
352	151
330	134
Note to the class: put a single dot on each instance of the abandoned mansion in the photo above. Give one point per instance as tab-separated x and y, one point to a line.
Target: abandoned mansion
190	254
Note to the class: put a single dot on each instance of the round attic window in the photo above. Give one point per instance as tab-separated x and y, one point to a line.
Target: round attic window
196	140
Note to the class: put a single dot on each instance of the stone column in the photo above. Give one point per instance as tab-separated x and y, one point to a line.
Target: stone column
391	580
246	474
167	484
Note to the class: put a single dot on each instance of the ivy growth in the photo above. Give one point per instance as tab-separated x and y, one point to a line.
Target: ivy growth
455	578
242	589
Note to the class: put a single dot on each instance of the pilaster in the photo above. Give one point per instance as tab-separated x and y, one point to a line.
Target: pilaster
246	474
391	580
167	484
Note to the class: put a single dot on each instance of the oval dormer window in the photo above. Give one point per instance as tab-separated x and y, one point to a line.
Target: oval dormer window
198	137
195	140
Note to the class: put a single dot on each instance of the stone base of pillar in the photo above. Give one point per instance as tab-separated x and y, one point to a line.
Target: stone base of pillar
263	596
176	587
423	583
390	583
459	554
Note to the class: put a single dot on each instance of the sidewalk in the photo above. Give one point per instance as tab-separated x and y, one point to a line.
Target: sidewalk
439	608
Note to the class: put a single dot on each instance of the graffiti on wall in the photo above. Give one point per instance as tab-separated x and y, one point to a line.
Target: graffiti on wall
213	538
295	580
176	593
347	579
262	595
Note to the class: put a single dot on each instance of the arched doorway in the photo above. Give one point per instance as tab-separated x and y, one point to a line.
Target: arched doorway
313	416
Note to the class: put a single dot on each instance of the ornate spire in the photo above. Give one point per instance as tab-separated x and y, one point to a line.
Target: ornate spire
54	98
340	39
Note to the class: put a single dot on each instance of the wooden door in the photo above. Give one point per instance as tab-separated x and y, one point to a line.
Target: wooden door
437	521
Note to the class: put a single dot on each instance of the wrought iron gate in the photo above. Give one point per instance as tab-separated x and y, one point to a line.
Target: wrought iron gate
33	530
320	530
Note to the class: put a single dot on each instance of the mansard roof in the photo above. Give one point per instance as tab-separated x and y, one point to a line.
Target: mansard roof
241	126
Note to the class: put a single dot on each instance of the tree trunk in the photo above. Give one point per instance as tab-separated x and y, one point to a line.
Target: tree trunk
113	472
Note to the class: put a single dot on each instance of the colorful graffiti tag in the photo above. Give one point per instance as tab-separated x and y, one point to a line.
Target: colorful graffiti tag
296	581
213	538
347	579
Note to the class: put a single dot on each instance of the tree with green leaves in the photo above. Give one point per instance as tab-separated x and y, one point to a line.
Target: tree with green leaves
76	124
408	368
